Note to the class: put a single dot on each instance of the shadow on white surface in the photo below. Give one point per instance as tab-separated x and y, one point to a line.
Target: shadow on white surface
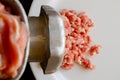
40	76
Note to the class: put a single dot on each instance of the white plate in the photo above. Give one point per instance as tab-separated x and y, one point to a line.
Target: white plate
106	16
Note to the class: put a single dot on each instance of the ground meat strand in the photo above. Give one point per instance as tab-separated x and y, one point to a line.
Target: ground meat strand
94	50
77	27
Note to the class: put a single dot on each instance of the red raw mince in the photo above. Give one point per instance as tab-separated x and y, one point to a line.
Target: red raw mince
77	27
94	49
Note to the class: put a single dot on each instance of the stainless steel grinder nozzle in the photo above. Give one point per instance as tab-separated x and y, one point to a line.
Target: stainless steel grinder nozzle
47	40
